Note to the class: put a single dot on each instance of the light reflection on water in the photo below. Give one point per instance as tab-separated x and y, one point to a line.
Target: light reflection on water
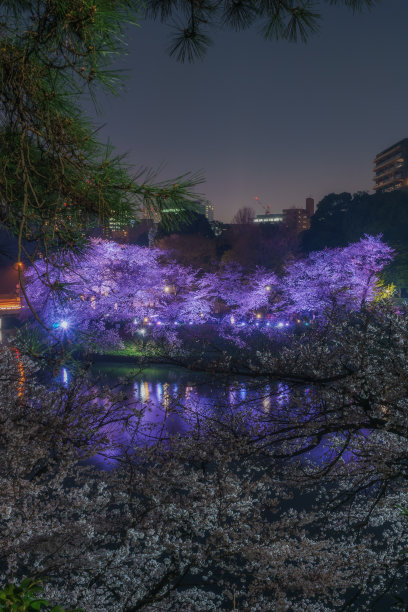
164	387
165	401
170	394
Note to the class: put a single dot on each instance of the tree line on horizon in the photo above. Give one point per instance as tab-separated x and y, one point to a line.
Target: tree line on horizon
340	219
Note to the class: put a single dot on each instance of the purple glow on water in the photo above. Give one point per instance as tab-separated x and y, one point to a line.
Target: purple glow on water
164	407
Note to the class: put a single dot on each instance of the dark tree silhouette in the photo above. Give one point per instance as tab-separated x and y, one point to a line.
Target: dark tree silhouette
343	218
244	216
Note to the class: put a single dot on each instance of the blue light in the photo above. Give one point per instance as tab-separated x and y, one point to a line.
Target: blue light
64	324
159	391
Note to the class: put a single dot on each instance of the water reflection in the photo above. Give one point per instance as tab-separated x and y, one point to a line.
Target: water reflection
165	401
194	391
171	399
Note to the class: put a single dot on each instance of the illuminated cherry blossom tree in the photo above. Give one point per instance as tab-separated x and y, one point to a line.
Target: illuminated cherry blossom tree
342	277
121	290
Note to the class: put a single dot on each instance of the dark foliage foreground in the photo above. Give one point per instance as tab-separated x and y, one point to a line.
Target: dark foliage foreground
290	505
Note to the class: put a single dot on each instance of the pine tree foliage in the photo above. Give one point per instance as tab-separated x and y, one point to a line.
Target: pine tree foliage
56	178
291	20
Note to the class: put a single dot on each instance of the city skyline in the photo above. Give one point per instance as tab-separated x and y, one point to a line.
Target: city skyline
280	121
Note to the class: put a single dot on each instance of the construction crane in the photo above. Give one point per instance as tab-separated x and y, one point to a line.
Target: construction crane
266	208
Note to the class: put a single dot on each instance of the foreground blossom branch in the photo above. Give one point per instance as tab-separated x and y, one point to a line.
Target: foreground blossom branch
305	489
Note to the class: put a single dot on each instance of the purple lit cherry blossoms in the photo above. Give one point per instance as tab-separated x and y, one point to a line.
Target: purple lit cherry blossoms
126	289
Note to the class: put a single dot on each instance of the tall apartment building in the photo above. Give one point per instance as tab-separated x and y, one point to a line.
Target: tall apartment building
391	167
209	212
206	209
299	218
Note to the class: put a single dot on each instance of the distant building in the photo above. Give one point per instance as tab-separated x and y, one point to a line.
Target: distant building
203	208
391	167
310	208
151	214
269	218
209	212
206	209
116	224
299	218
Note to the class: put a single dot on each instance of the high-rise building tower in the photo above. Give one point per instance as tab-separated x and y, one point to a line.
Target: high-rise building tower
209	212
310	207
391	167
205	208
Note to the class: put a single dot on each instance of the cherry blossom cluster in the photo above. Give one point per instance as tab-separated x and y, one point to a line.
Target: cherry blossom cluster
139	290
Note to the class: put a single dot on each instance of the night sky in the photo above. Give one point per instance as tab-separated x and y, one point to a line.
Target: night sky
278	120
